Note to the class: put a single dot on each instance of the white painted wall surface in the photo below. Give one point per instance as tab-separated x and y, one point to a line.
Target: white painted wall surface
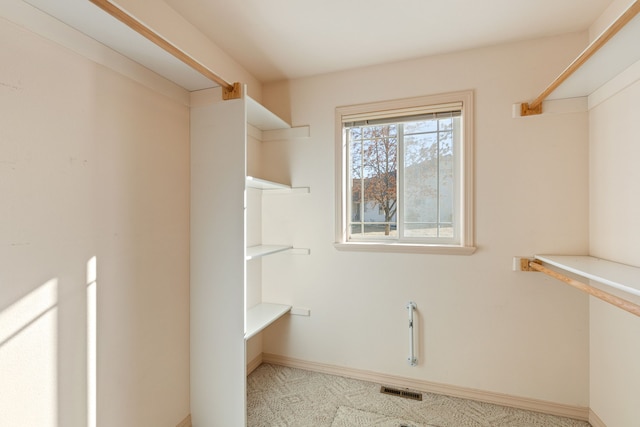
92	164
610	14
174	27
480	325
614	235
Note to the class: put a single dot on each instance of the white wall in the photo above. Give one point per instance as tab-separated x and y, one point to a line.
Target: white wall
614	235
92	165
159	16
609	15
481	325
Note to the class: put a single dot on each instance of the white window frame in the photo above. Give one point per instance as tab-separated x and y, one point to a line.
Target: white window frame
465	202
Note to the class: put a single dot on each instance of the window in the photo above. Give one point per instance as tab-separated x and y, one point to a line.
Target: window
405	175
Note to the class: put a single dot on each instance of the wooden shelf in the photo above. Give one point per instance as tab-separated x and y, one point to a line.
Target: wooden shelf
262	315
263	250
619	276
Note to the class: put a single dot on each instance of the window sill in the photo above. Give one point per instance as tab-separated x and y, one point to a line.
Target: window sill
405	248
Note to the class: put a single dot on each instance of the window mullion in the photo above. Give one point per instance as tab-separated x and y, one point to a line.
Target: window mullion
361	206
347	211
400	182
438	153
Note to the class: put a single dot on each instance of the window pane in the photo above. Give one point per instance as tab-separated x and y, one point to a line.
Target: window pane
445	124
420	126
374	158
447	184
355	173
421	185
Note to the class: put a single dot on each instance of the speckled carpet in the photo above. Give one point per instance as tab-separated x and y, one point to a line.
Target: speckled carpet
350	417
279	396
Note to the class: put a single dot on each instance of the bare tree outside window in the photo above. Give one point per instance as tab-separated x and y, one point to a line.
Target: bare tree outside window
425	194
374	165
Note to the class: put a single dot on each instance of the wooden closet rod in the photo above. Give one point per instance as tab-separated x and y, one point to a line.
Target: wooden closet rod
605	296
229	91
535	107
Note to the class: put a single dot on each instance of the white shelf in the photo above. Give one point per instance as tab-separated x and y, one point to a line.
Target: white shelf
275	187
262	315
262	184
263	250
619	276
261	118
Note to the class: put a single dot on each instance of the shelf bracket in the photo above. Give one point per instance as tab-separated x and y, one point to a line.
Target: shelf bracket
525	264
233	92
528	110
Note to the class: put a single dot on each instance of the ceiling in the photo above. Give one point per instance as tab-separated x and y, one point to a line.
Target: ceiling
286	39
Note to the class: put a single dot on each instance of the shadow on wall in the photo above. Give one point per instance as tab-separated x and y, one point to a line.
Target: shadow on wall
34	376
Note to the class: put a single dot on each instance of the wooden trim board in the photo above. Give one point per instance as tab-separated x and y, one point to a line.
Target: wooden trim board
595	420
551	408
186	422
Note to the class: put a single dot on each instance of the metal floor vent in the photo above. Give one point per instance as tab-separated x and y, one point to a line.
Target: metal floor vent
407	394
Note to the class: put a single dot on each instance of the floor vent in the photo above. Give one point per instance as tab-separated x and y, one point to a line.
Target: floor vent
407	394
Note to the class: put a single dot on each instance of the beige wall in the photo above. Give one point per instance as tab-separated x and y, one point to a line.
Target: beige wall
614	235
92	164
481	325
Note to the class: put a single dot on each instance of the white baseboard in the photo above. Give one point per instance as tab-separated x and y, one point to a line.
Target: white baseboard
254	363
542	406
595	420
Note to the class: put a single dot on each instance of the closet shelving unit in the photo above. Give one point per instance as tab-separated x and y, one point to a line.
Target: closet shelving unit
267	188
264	125
606	62
226	297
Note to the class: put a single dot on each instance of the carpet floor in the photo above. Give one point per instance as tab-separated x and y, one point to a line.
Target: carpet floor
279	396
